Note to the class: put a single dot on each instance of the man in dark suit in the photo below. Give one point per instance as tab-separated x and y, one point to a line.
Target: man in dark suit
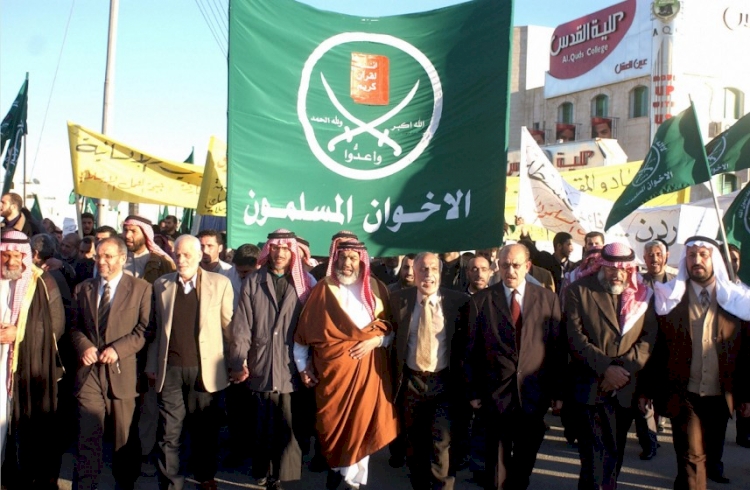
701	362
425	320
611	332
514	361
109	319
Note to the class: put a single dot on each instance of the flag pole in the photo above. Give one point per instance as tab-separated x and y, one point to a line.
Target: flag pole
725	245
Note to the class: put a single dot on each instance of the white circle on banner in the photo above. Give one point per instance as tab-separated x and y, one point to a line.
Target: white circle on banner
419	148
653	159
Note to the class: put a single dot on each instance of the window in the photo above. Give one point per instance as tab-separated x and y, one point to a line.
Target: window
565	113
728	184
734	103
639	102
600	106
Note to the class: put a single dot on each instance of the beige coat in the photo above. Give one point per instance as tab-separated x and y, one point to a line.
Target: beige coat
215	297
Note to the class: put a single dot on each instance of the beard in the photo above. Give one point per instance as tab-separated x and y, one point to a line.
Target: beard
610	288
11	275
137	245
347	280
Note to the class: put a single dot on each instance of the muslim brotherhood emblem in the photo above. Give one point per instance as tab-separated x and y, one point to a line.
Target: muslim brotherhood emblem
369	104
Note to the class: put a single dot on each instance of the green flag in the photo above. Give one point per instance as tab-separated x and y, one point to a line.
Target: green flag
13	129
394	128
163	213
676	160
730	151
36	210
72	197
190	158
737	224
186	224
89	206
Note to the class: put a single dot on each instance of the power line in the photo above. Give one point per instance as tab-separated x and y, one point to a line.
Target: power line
52	88
212	29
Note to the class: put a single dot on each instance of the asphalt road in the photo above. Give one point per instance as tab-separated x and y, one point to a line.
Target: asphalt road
557	468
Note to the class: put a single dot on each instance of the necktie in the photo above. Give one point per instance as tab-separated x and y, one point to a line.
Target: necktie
515	315
705	299
103	313
424	337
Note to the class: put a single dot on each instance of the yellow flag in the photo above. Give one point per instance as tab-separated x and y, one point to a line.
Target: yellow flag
607	182
104	168
213	196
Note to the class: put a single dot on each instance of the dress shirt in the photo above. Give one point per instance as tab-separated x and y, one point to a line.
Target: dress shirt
521	290
113	283
188	285
440	350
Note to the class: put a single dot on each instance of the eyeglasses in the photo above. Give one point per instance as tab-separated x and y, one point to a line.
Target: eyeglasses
106	257
516	267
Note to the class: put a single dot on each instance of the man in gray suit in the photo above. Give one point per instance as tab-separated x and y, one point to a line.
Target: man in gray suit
611	332
514	365
425	320
109	319
192	312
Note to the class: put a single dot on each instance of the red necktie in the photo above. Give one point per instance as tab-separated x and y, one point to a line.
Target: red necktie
515	315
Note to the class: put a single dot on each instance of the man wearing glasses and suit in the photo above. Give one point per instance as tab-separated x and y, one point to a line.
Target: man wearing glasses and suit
109	319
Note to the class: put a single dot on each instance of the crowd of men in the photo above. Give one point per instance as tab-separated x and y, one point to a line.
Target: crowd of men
142	335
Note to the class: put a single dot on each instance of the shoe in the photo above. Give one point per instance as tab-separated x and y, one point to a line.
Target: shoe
262	482
718	478
333	480
209	485
273	484
648	456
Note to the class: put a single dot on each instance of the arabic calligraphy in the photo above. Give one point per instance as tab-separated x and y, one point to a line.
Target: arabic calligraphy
651	184
399	216
263	211
586	32
369	79
635	64
328	120
652	235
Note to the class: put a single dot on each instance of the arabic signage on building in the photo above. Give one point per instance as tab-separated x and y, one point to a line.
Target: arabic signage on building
575	155
366	126
608	46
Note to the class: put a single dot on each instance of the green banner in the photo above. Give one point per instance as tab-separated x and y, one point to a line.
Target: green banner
676	160
737	225
730	151
12	130
394	128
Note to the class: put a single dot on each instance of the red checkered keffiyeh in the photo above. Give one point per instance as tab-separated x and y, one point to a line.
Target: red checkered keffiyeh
299	277
344	243
148	233
636	295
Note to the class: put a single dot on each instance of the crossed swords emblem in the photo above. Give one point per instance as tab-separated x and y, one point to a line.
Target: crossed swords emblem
363	127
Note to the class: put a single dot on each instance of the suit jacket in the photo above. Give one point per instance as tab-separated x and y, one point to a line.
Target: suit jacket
128	319
263	334
596	341
669	368
215	299
402	307
496	369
